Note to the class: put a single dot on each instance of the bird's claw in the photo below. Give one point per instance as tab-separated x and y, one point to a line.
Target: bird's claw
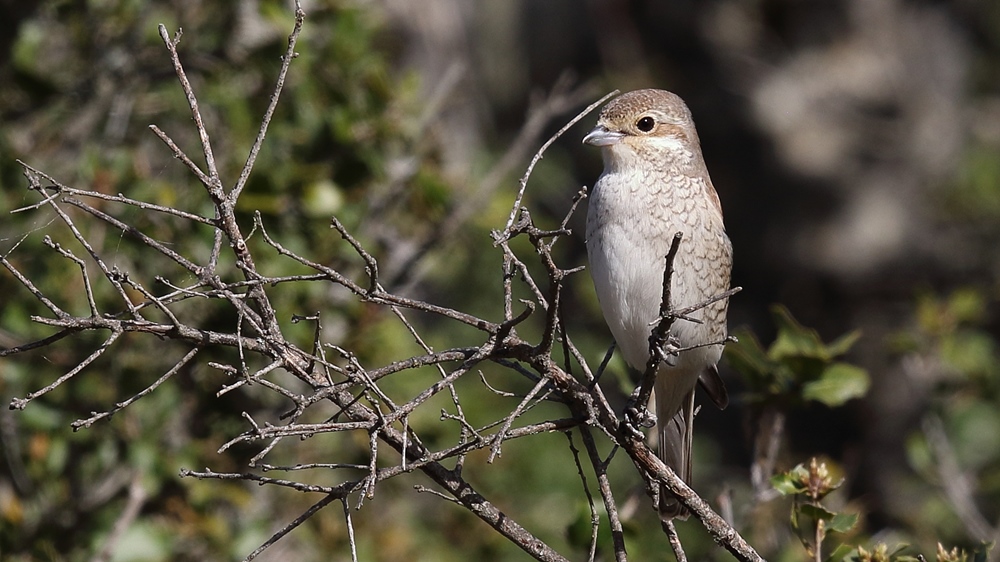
636	419
669	350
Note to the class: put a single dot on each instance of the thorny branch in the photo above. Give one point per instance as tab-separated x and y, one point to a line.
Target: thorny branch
262	355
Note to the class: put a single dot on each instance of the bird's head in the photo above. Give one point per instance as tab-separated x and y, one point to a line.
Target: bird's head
648	125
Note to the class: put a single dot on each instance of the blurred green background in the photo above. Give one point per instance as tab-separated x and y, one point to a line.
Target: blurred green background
854	144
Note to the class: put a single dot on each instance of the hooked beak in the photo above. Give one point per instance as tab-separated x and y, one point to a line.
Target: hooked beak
601	136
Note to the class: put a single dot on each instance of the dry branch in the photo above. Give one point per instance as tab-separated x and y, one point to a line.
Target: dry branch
310	381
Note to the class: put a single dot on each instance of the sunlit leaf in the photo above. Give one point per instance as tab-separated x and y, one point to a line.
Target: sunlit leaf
839	383
842	522
843	344
792	482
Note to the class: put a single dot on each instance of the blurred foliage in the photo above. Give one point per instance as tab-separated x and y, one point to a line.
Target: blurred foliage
976	193
880	553
82	82
948	345
950	330
811	520
798	366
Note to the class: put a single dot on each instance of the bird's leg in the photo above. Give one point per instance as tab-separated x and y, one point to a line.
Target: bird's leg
669	350
637	414
663	347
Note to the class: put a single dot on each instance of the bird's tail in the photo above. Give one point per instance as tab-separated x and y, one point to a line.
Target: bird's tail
674	448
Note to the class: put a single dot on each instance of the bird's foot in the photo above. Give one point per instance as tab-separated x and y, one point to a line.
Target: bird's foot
669	350
636	418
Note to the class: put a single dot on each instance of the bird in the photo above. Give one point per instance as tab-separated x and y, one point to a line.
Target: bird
655	184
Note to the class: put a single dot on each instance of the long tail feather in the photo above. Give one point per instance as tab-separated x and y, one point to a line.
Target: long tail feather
675	450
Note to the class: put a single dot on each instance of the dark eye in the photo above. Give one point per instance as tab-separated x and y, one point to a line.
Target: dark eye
645	124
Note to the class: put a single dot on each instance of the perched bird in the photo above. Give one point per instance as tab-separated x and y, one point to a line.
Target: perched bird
654	185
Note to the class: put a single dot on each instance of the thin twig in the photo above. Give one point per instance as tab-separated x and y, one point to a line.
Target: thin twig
111	276
20	403
371	266
675	541
83	423
214	184
286	61
180	155
509	420
306	515
426	490
523	183
604	483
658	336
350	530
595	518
60	313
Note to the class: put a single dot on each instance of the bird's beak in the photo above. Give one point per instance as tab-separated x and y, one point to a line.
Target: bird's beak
601	136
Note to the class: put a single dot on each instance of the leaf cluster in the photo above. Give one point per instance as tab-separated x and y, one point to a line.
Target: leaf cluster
798	366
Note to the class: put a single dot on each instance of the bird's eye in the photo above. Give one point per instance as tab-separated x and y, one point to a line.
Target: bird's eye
645	124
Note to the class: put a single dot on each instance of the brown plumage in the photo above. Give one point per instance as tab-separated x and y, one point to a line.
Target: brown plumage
654	185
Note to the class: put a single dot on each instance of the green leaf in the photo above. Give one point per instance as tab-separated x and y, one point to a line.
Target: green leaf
970	352
967	305
794	339
747	356
840	553
974	432
839	383
817	512
842	522
791	482
843	344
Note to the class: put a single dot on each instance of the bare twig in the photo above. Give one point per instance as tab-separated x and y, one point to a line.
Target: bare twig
180	155
60	313
561	99
601	469
214	184
675	541
286	61
313	509
595	518
658	338
62	190
721	531
20	403
111	276
509	420
124	404
350	530
306	375
523	183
